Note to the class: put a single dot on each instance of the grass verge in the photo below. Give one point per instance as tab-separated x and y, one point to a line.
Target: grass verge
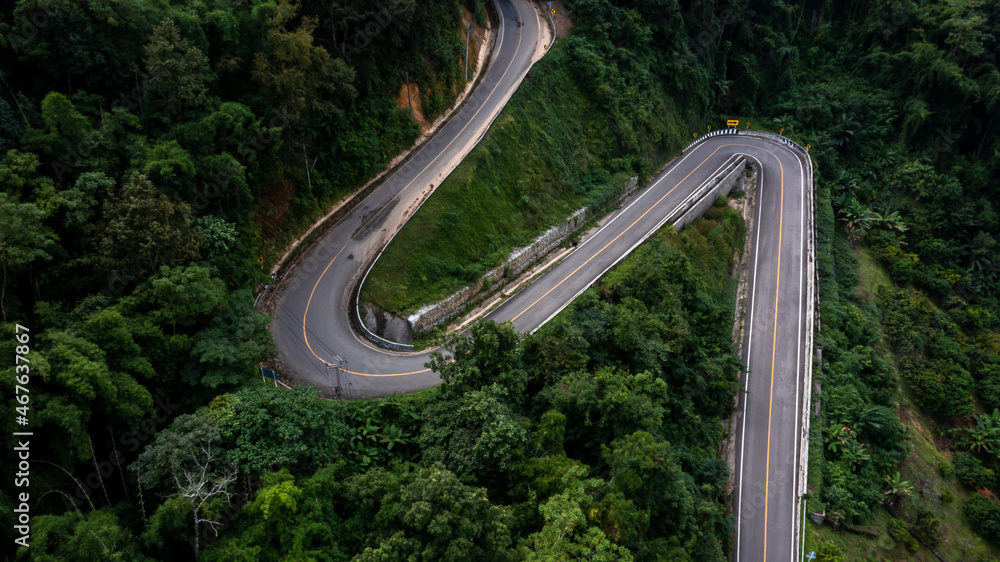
548	153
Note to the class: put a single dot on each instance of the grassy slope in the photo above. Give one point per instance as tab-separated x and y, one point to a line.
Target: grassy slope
547	154
932	490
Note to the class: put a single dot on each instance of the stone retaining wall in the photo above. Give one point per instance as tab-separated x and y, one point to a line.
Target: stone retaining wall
520	259
498	277
721	184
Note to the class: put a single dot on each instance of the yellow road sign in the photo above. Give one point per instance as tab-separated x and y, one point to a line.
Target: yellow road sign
553	10
733	123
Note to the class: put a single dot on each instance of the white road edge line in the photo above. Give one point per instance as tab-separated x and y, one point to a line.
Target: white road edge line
644	237
798	353
746	383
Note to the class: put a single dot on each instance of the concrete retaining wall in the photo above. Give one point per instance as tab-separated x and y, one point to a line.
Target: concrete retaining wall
494	280
520	260
705	196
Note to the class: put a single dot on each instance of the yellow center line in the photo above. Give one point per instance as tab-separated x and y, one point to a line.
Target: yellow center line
305	314
653	206
774	346
387	374
620	234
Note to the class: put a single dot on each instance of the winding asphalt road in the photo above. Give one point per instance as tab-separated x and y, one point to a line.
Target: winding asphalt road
311	327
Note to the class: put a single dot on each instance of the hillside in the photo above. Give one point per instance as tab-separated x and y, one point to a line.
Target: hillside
157	157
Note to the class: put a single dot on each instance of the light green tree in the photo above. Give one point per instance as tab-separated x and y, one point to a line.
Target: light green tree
23	239
177	72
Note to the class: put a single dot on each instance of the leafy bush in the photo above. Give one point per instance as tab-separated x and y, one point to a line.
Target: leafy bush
970	471
984	516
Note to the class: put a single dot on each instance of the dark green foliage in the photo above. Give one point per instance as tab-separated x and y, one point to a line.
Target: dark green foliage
233	343
428	513
927	527
268	427
173	447
984	515
935	364
288	519
863	439
383	431
195	137
96	536
899	533
475	435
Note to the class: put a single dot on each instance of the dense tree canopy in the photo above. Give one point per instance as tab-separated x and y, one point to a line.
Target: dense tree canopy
154	152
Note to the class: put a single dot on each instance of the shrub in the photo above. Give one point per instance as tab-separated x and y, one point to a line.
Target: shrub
984	516
946	469
927	527
829	552
946	496
897	530
902	266
970	471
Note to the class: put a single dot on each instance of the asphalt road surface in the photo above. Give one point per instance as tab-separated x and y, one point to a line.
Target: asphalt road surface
769	422
311	326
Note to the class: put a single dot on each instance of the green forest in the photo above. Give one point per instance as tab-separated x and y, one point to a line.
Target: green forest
157	156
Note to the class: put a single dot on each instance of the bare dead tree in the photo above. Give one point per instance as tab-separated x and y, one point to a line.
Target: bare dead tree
199	481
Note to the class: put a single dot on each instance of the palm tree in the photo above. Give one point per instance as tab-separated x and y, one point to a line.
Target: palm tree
723	86
896	490
985	436
784	122
858	218
891	220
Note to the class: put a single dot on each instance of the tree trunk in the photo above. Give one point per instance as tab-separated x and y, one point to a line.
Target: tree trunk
197	546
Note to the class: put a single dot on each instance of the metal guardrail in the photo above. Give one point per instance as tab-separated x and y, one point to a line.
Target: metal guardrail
693	202
396	346
356	304
812	313
552	23
750	133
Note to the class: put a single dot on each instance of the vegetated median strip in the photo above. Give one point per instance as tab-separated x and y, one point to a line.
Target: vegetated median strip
542	161
725	174
302	243
366	332
532	274
640	241
701	189
543	245
682	214
686	208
